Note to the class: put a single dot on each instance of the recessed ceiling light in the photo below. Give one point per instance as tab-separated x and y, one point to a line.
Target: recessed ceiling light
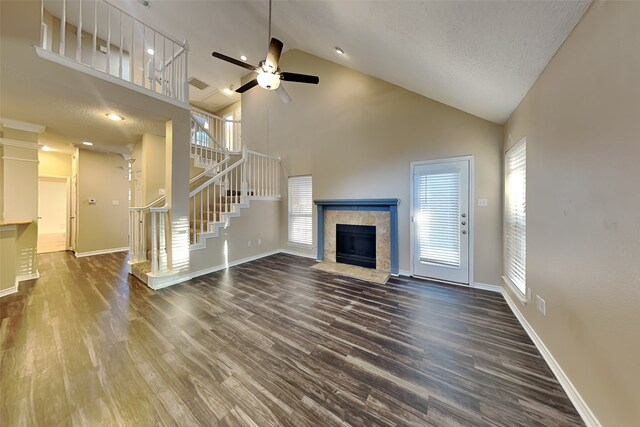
339	51
228	91
114	117
87	143
150	51
244	58
46	148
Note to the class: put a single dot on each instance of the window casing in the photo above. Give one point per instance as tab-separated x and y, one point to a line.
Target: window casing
515	218
300	201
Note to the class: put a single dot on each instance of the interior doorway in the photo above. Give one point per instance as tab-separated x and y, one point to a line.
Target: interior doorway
441	219
53	212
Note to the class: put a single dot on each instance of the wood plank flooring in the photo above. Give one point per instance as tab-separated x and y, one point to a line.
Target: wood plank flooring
267	343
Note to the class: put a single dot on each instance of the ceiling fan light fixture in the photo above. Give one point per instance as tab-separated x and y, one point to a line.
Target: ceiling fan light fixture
269	81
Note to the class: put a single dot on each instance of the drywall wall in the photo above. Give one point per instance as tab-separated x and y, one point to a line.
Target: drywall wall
103	225
582	120
54	164
20	171
8	235
259	222
153	169
357	136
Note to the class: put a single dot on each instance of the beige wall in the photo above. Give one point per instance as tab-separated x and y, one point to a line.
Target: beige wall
582	121
8	236
228	109
54	164
357	136
153	169
102	226
260	221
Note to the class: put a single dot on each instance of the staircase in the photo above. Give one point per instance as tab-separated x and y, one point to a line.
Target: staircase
227	184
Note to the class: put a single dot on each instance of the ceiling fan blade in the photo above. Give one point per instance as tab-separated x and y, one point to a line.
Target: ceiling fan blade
284	96
273	56
300	78
233	61
247	86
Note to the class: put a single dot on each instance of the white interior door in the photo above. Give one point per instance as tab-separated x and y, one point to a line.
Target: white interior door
73	216
52	214
441	220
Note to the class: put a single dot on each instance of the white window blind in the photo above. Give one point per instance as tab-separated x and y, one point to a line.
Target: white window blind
439	218
515	216
300	210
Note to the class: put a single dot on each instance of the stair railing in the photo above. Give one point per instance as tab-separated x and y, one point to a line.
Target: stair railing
159	230
110	40
204	145
254	176
228	133
262	175
210	201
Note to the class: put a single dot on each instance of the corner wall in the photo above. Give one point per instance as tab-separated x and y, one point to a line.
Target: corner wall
357	136
582	121
102	226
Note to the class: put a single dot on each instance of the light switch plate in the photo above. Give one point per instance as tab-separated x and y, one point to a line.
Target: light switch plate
115	203
483	202
162	192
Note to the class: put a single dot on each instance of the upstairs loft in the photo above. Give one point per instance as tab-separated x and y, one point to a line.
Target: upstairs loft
101	39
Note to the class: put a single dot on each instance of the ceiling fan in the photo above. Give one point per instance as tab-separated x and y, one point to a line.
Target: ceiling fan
269	74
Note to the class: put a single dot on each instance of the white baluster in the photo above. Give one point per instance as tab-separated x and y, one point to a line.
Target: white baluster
63	28
79	34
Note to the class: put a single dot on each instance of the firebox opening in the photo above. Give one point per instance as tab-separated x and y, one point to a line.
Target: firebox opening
356	245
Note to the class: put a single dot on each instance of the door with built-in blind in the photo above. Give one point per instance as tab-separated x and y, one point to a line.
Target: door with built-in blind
440	219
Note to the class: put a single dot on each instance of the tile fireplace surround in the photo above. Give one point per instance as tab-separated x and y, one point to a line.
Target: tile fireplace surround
383	213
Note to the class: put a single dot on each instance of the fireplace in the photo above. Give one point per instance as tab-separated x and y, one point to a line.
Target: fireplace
356	245
380	214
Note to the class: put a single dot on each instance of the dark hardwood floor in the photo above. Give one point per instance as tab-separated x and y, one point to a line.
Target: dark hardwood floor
270	342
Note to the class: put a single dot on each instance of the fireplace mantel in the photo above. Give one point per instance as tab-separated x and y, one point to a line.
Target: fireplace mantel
385	205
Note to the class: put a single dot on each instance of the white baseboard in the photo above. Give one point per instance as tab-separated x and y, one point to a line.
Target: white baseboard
231	264
296	253
101	252
581	406
405	273
9	291
31	276
487	287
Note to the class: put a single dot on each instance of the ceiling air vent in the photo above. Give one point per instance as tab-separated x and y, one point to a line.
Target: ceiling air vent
197	83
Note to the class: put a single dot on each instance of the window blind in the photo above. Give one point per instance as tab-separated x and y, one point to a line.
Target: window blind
515	216
300	210
439	218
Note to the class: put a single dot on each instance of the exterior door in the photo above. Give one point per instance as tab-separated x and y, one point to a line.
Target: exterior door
441	220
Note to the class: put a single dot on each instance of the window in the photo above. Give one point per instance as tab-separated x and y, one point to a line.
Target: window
300	210
228	131
515	217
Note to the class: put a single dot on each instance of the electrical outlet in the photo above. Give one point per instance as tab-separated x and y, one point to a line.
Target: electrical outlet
115	203
259	241
541	305
249	243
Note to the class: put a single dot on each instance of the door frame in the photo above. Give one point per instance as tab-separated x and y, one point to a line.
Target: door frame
67	180
472	215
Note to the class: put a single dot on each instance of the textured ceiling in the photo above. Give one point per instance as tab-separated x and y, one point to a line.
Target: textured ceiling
478	56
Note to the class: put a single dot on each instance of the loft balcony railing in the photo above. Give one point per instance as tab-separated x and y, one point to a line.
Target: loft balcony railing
100	35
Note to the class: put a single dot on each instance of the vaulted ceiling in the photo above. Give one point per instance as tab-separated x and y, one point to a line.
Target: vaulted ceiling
478	56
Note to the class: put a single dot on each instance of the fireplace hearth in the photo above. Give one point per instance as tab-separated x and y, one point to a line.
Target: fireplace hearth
356	245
